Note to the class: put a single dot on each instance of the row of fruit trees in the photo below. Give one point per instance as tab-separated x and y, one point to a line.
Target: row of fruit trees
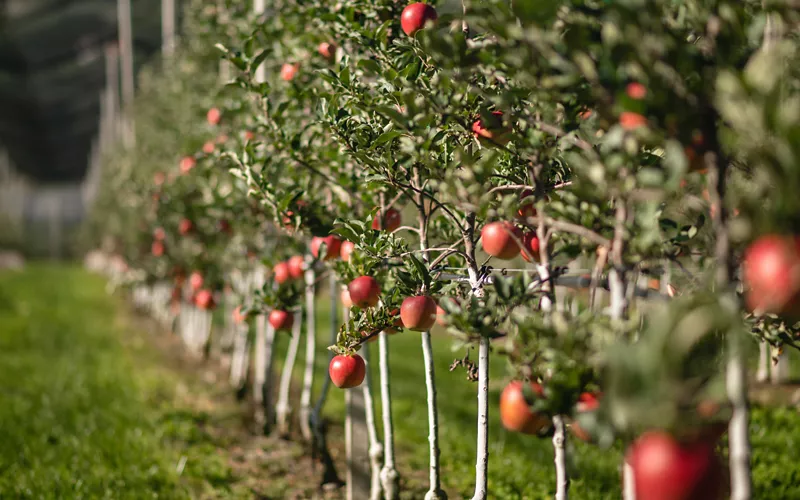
602	192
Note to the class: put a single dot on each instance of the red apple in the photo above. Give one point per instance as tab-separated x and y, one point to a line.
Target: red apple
238	317
531	245
491	131
418	313
771	272
204	299
636	91
214	116
159	178
347	371
157	248
346	249
185	226
332	243
289	71
327	50
416	16
364	291
281	273
159	234
630	120
187	164
391	220
663	468
196	281
209	147
249	135
587	402
515	412
499	239
281	320
222	138
296	266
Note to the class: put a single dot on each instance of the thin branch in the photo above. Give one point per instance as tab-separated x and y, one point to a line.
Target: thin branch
568	227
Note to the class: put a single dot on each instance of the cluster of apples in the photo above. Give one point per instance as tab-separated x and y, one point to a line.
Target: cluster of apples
504	240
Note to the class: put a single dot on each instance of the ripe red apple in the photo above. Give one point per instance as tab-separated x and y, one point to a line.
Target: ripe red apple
347	371
196	281
346	249
249	135
157	248
391	220
515	412
585	114
630	120
416	16
281	273
185	226
344	296
222	138
296	265
531	244
281	320
364	291
333	244
159	178
289	71
499	239
418	313
187	164
663	468
204	299
491	131
771	272
159	234
214	116
587	402
327	50
636	91
209	147
238	317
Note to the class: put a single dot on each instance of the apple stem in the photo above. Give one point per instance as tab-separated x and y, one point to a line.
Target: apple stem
559	440
282	407
311	340
389	476
375	445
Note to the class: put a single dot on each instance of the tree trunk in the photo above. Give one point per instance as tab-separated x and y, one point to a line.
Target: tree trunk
559	446
283	406
389	477
311	348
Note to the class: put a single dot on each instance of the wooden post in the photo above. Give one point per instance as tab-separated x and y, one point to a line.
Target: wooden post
125	33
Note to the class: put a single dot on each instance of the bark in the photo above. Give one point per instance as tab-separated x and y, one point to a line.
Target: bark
559	446
283	407
375	445
482	463
311	347
390	479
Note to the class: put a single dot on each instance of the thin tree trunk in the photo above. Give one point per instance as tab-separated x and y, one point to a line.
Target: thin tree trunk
762	374
559	445
311	347
482	463
389	477
348	445
375	445
283	407
259	374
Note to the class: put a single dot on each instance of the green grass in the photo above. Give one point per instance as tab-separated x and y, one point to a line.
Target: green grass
91	409
82	414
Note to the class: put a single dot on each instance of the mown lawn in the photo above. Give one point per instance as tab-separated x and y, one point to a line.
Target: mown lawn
84	415
91	410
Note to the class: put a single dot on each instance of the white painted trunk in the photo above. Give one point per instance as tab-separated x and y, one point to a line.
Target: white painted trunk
260	371
375	445
482	462
389	476
348	444
762	374
435	489
559	447
283	406
738	433
311	347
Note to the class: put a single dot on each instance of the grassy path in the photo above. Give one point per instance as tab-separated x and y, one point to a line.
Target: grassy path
97	404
